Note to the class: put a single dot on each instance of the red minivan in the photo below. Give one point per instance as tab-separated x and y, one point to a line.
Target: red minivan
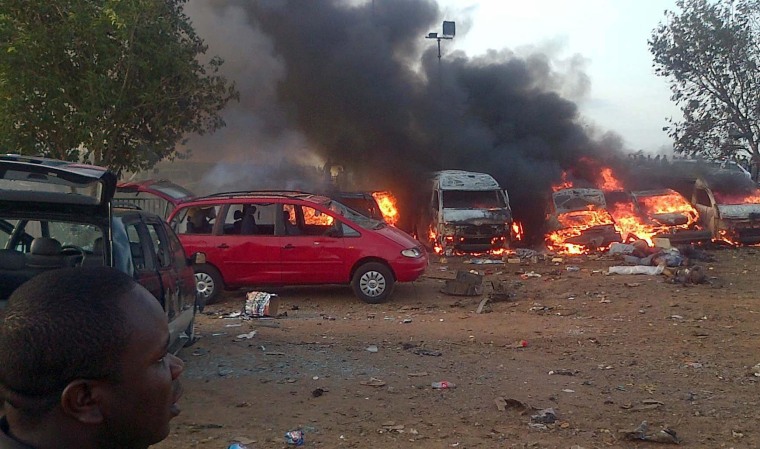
293	238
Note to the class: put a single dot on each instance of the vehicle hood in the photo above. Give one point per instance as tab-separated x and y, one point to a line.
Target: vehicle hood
739	211
477	216
398	236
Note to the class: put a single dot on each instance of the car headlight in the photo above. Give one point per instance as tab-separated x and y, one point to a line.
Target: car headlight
411	252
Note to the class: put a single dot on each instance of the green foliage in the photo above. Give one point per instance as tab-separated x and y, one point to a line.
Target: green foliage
710	52
118	82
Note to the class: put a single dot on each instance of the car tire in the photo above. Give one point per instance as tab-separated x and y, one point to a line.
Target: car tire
208	283
373	282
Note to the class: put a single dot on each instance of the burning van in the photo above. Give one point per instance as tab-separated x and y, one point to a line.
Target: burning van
578	221
467	212
658	213
729	207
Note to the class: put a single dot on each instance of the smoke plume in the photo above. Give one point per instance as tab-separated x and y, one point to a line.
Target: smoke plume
355	85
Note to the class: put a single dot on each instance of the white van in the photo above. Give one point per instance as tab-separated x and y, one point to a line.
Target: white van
465	212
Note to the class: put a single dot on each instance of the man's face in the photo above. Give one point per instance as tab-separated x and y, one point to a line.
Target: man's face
138	408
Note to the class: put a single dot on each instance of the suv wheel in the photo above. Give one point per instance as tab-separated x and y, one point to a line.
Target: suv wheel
373	282
209	282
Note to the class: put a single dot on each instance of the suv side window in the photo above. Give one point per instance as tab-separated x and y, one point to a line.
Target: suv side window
137	249
175	246
160	245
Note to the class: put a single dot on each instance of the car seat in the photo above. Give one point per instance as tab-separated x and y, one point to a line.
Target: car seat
45	253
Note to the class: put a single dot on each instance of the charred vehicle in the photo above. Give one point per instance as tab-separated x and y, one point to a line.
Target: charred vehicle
659	213
729	207
466	212
578	220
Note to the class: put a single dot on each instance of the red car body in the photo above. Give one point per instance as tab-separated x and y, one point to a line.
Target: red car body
294	238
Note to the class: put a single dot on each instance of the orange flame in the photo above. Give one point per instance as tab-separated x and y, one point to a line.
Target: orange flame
573	225
609	182
314	217
517	231
388	208
737	198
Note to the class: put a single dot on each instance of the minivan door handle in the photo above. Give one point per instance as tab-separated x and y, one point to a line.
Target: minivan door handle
288	246
223	246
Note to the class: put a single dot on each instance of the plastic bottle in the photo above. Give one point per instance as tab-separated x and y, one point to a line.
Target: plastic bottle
443	385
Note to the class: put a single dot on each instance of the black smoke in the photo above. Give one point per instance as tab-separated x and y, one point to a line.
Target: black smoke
356	84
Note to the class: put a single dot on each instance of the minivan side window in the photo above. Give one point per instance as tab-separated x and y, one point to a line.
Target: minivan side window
196	220
315	222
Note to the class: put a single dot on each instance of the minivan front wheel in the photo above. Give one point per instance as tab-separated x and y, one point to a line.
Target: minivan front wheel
373	282
208	282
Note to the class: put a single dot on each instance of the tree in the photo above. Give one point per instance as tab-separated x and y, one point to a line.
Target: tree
711	54
115	82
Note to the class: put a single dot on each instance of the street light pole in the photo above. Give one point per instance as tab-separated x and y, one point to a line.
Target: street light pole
449	31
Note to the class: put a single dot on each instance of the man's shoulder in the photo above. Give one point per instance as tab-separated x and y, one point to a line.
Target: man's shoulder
6	442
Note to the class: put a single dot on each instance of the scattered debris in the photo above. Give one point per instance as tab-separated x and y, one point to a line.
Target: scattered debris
317	392
294	438
247	336
467	283
666	435
563	372
443	385
373	382
636	269
424	351
545	416
372	348
261	304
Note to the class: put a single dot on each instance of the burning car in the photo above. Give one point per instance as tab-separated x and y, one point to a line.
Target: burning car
729	207
466	212
578	220
659	213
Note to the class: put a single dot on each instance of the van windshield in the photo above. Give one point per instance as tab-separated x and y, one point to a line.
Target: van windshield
473	199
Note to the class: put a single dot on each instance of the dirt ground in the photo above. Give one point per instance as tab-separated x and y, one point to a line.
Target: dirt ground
604	353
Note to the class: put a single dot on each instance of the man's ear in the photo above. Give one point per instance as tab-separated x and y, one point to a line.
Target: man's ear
81	399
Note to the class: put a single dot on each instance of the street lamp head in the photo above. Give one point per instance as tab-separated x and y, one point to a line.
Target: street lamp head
432	36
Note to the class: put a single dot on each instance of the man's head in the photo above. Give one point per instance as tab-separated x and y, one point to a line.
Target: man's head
84	349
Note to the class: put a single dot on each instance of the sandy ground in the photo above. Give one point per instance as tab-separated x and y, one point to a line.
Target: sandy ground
604	354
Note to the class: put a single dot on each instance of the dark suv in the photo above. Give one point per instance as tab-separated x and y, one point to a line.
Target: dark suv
57	214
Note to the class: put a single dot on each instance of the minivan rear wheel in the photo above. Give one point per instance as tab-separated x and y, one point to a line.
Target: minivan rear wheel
373	282
208	282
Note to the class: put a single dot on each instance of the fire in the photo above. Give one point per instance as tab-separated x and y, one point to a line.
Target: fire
517	231
315	217
738	198
642	223
573	225
565	184
609	182
387	203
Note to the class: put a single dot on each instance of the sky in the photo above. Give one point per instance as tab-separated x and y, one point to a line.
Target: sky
610	36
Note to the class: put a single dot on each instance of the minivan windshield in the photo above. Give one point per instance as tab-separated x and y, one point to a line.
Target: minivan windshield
473	199
354	216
